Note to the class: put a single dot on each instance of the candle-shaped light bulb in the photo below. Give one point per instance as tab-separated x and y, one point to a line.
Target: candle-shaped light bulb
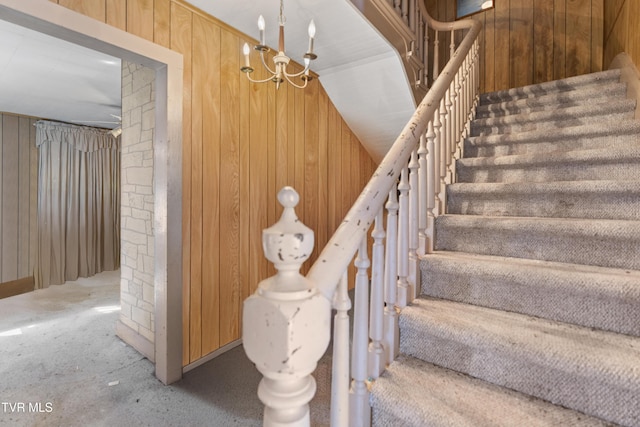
261	28
312	29
312	34
246	50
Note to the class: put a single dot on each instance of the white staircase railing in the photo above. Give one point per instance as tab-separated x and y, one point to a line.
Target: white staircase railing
286	323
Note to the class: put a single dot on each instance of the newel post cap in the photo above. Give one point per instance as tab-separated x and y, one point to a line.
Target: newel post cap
287	244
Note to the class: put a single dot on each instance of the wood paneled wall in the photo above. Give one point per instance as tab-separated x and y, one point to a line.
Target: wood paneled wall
621	26
242	142
532	41
18	196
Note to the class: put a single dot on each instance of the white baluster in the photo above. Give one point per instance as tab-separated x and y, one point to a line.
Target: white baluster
377	360
441	140
452	46
403	240
437	125
414	270
359	409
431	186
340	372
423	182
457	107
449	132
391	333
425	52
405	11
436	54
286	323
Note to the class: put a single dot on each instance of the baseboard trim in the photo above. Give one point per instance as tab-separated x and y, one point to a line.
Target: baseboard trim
135	340
212	355
629	75
17	287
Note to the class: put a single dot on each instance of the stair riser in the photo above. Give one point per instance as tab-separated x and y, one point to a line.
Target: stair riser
552	205
574	297
563	99
498	365
480	130
605	245
573	83
477	149
627	169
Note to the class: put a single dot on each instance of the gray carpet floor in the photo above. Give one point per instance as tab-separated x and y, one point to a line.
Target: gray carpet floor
61	364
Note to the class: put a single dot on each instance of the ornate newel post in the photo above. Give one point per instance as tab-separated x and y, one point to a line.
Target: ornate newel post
286	323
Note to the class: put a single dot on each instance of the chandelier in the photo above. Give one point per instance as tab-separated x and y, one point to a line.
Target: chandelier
279	74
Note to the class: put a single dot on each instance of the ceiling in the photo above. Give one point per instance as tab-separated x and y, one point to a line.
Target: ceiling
45	77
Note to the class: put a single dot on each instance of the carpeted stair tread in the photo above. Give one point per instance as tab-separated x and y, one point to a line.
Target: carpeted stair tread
563	137
600	93
566	199
571	83
594	372
621	162
480	147
554	118
415	393
600	242
596	297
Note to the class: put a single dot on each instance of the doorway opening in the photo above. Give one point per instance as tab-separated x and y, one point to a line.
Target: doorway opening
166	176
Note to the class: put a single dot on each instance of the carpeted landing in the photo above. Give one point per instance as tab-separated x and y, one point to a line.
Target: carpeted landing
61	364
529	313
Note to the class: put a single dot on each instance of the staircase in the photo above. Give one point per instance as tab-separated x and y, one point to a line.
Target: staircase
529	313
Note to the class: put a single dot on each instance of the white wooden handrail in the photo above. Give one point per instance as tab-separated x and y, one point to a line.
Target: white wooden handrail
339	251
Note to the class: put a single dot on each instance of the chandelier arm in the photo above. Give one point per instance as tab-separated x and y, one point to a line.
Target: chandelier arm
297	74
286	76
265	64
259	81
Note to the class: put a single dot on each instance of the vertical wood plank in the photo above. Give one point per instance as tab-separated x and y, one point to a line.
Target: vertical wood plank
229	199
33	192
24	185
181	41
116	11
481	17
502	46
162	22
521	43
245	199
271	164
489	51
299	114
559	39
334	176
197	87
281	141
633	23
311	171
140	18
208	36
92	8
322	233
597	35
543	41
578	59
10	176
258	172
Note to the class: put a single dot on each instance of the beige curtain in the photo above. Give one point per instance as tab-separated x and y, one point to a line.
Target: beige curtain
78	202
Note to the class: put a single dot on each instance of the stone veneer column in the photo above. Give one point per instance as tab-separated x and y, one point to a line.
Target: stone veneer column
136	323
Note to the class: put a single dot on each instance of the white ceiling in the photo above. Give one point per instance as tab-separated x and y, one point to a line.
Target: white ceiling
45	77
